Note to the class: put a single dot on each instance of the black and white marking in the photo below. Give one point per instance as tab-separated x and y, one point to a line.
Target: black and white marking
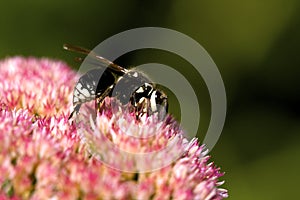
115	81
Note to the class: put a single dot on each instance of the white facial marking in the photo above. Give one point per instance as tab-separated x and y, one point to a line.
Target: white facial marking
140	90
153	101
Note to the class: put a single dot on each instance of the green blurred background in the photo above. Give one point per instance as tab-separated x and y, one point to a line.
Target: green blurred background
255	45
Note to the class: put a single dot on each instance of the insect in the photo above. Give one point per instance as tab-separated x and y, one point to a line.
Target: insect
109	79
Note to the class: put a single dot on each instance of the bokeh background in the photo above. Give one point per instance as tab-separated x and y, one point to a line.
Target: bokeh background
255	44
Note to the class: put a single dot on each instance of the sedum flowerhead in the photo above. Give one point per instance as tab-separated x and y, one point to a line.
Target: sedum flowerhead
42	86
47	157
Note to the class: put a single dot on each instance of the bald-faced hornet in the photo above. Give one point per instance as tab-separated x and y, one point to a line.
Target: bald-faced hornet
126	85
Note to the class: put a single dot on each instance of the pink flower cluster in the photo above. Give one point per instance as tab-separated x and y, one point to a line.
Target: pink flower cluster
42	156
41	86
